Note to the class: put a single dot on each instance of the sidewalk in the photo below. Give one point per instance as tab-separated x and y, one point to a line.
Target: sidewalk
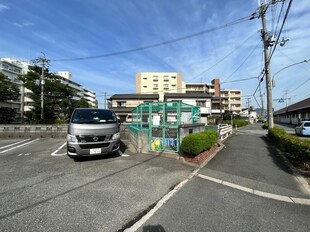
250	160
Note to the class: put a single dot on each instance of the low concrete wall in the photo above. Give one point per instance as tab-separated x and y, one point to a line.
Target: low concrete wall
43	131
33	131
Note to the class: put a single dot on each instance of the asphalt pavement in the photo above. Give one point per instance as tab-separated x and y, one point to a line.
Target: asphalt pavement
250	159
247	186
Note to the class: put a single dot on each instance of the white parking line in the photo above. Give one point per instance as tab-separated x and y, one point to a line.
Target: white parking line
61	154
122	154
303	201
10	145
24	144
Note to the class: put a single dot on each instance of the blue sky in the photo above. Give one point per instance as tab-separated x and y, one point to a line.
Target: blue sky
80	28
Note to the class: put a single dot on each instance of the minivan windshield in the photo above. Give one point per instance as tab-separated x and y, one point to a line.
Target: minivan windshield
93	116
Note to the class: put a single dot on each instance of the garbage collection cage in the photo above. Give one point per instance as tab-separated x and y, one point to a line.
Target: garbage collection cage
161	120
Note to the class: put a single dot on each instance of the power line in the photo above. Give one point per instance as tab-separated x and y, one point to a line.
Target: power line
231	52
278	37
243	62
243	19
239	80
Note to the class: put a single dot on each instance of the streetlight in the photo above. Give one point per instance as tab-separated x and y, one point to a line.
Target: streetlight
301	62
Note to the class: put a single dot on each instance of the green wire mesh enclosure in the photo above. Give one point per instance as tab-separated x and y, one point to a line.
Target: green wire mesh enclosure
161	122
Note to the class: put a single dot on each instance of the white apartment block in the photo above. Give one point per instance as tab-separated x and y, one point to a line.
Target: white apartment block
81	92
12	68
159	83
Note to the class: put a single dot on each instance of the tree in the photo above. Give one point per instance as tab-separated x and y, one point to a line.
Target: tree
82	103
8	91
58	97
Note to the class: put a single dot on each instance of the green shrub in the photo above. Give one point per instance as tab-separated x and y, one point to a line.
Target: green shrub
194	144
265	125
298	148
237	122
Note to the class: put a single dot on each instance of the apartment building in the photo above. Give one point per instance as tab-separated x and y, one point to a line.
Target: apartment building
159	83
223	100
12	69
81	92
231	100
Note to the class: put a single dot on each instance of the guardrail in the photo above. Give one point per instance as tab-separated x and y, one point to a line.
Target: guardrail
224	131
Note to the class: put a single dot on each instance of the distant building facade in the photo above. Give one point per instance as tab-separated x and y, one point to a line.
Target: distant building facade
159	83
81	92
202	100
294	113
123	104
13	68
222	99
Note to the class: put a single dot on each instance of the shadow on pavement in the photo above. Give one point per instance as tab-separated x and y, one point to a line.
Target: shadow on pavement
276	156
153	228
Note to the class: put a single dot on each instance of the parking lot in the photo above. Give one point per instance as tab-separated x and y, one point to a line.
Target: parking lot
44	190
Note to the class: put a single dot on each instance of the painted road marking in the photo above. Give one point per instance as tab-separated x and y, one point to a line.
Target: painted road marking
24	144
10	145
61	154
122	154
26	154
160	203
302	201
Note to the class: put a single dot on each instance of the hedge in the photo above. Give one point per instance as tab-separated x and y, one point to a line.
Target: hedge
194	144
237	122
298	148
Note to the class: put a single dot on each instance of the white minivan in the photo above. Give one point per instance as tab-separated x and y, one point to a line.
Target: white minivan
92	132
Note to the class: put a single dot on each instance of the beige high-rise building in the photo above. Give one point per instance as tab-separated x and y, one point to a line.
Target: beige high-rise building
159	83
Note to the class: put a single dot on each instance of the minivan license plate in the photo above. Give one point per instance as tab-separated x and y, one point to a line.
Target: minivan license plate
95	151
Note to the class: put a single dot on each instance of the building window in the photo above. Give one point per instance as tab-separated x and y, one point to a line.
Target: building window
121	103
166	78
155	86
144	78
173	77
201	103
155	78
144	86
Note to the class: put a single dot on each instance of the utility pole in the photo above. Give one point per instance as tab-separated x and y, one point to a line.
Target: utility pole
248	104
44	63
104	99
267	43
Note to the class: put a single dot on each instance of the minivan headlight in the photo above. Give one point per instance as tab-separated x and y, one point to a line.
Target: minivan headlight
71	138
116	136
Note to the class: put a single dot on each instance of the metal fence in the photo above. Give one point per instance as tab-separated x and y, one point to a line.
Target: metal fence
161	121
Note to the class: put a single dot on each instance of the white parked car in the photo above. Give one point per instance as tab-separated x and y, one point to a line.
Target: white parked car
303	128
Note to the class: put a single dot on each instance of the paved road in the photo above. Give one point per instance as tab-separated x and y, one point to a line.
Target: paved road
235	191
246	187
41	192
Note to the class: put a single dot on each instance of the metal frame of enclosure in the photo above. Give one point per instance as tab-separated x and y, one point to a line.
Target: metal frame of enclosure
161	121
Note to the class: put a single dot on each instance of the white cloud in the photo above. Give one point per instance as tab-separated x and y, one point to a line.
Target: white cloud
24	24
3	7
